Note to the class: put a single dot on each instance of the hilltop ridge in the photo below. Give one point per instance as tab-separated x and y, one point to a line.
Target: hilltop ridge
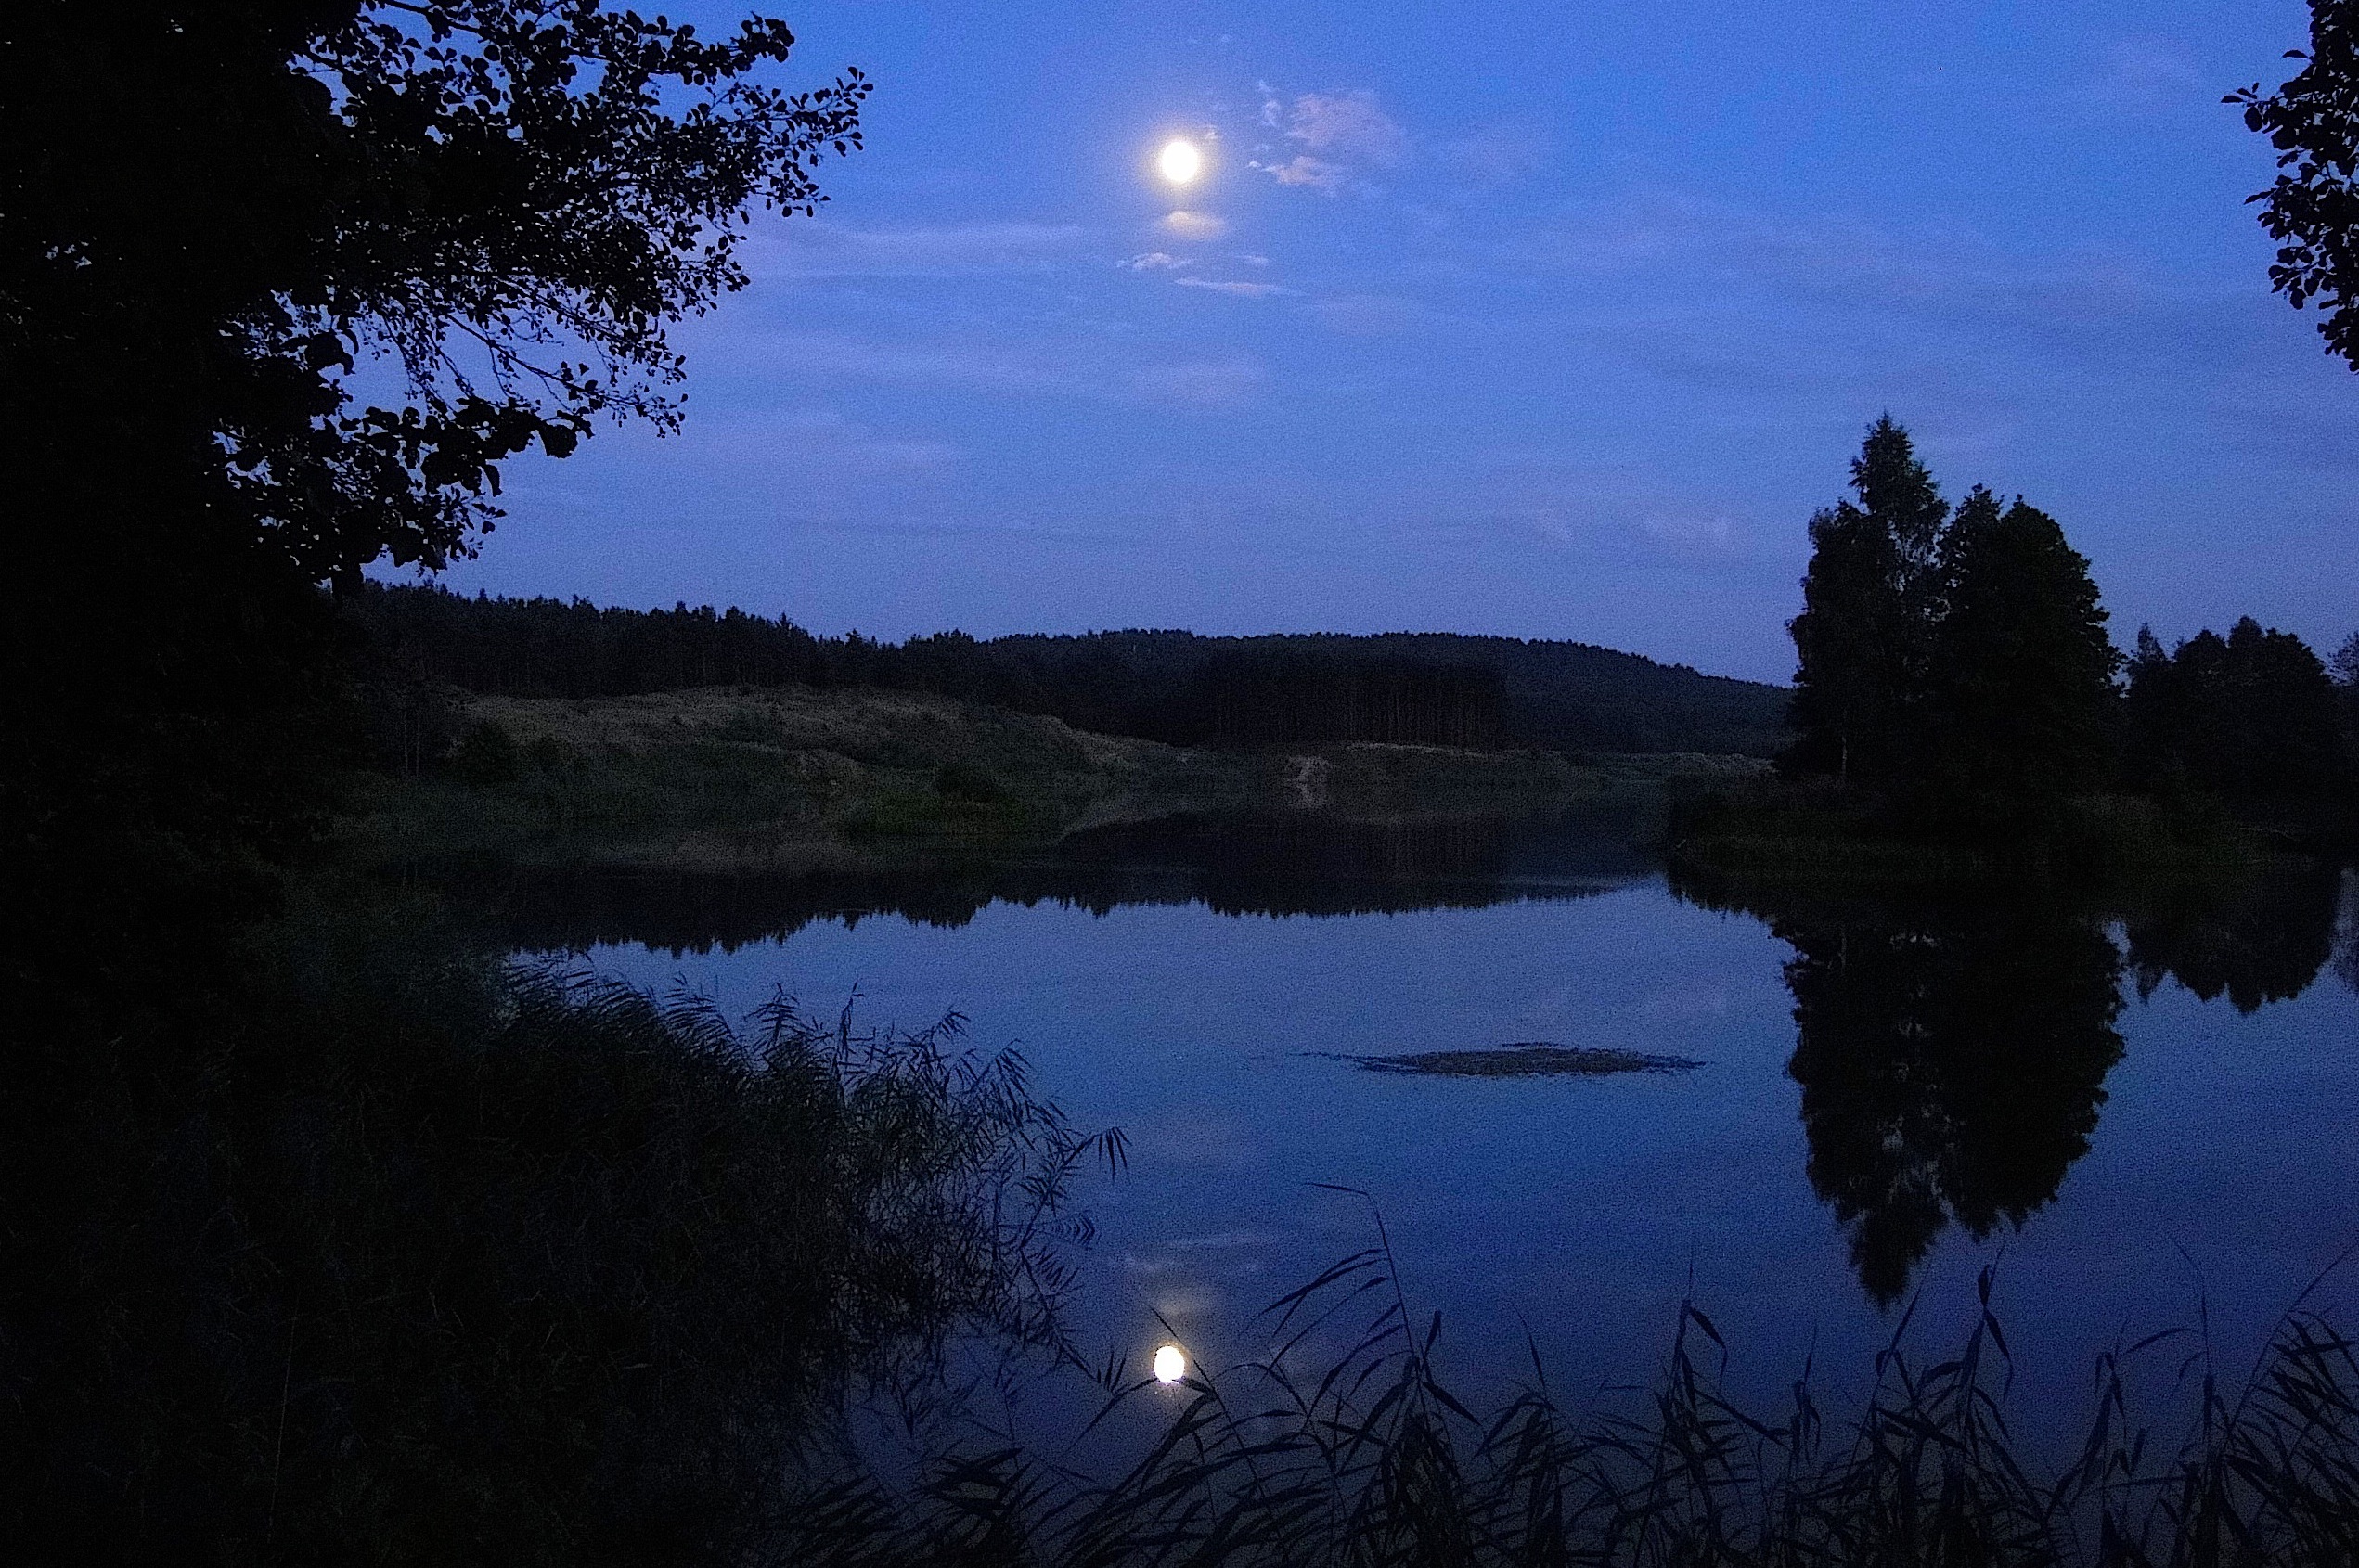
1177	686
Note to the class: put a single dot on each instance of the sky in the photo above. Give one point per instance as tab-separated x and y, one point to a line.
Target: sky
1543	320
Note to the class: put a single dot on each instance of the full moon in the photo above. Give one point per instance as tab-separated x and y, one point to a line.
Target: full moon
1181	161
1171	1364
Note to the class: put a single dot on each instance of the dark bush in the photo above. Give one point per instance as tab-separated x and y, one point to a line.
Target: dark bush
391	1254
486	755
967	781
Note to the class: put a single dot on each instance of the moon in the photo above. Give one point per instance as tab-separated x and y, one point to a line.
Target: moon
1179	161
1171	1363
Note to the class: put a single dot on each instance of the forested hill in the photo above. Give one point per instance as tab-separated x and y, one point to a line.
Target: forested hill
1419	687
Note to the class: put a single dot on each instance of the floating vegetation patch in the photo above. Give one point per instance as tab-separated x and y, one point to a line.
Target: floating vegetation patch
1525	1058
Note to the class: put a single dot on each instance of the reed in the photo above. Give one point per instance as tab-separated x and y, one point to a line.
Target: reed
384	1250
1371	1460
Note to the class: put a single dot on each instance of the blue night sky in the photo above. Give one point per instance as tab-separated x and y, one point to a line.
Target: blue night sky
1537	320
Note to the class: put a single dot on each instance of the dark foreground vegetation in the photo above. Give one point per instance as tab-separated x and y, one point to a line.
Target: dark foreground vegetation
369	1246
1369	1459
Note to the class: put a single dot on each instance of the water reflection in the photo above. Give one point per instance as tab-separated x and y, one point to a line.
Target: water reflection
2347	934
1952	1052
2263	941
1296	864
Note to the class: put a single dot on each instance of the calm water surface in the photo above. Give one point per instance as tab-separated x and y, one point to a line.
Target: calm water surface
2134	1111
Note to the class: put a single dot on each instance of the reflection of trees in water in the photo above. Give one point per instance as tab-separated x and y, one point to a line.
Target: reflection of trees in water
2347	933
1953	1053
1296	864
2263	941
1952	1067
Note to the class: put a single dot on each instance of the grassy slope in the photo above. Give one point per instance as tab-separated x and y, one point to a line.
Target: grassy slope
785	780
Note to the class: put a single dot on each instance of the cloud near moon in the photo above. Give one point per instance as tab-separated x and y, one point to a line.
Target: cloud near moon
1345	134
1195	225
1242	291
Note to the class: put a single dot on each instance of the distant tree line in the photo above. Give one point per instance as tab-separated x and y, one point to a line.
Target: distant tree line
1957	661
2244	717
1405	688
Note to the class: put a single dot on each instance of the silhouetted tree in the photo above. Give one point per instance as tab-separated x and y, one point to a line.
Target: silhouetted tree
2344	668
1862	638
220	209
2247	716
281	285
2021	681
2344	665
2312	209
1959	662
2146	712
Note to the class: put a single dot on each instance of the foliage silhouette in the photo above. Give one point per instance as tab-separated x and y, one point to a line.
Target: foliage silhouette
1957	661
2250	716
507	200
2312	209
2018	684
1862	639
281	286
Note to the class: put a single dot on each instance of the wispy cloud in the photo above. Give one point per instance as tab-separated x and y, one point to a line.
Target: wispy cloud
1205	384
1348	126
1195	225
1242	291
1496	155
828	435
1154	261
1345	135
2139	73
1091	370
1367	315
1316	174
825	249
1697	536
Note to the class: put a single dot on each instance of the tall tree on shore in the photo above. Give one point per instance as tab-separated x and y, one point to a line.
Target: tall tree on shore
2344	668
2147	719
1864	634
1898	491
2020	692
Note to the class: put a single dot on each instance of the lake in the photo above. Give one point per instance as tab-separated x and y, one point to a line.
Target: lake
2142	1109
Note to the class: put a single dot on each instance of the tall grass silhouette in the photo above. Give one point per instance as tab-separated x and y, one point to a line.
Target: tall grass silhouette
1367	1458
